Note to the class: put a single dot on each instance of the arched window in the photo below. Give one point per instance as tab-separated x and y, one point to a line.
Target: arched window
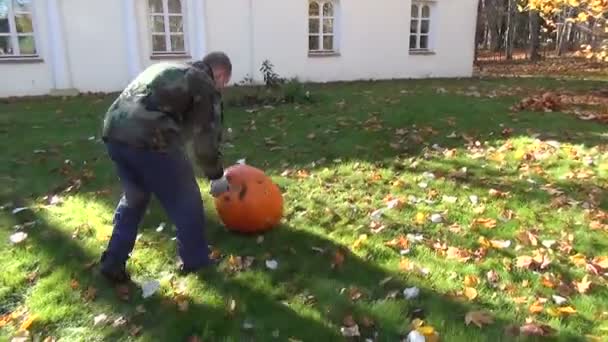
17	37
420	26
167	27
321	26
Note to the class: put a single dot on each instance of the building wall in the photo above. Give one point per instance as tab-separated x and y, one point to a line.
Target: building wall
29	78
372	42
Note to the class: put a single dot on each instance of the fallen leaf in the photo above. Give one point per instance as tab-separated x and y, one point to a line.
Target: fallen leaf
149	288
524	261
568	310
528	238
458	254
27	323
492	276
470	293
74	284
534	329
100	319
405	265
500	244
471	280
548	281
123	292
485	222
420	218
134	330
583	286
338	260
601	261
18	237
479	318
90	293
272	264
401	243
119	322
536	307
411	293
579	260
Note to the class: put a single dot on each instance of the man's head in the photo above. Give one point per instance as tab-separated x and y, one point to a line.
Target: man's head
221	66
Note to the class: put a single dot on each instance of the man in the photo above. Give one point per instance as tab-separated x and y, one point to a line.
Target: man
145	131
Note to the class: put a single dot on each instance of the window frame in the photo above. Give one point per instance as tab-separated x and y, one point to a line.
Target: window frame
320	17
167	34
417	20
14	35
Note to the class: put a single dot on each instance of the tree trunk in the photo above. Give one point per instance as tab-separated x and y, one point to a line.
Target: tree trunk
534	36
510	34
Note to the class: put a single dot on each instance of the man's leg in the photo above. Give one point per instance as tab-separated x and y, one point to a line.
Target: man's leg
171	178
128	215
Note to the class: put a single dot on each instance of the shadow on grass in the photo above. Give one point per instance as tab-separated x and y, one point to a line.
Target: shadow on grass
302	299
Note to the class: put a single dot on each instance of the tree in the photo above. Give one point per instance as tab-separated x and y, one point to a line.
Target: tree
534	35
587	16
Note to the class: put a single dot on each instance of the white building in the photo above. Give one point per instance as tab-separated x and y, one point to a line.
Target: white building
63	46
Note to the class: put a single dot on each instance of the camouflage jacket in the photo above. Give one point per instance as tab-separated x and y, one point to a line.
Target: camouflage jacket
166	106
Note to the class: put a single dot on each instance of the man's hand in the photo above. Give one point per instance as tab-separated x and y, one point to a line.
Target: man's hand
219	186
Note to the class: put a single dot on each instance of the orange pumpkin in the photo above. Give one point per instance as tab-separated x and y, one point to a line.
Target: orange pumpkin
254	202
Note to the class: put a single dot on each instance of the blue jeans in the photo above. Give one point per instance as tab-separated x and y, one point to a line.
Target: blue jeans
169	177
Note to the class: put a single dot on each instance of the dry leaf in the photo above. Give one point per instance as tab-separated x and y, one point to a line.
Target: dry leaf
27	323
536	307
579	260
74	284
583	286
601	261
400	243
485	222
471	280
90	293
405	265
524	261
534	329
548	281
479	318
568	310
470	293
492	277
500	244
123	292
458	254
528	238
338	260
420	218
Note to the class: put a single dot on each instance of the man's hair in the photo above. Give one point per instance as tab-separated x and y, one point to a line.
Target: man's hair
218	59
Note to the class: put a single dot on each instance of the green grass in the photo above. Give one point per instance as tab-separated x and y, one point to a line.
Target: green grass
352	169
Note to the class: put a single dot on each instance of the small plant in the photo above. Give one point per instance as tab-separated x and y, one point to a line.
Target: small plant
294	91
271	78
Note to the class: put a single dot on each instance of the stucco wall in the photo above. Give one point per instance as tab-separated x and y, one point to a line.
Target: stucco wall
32	78
372	41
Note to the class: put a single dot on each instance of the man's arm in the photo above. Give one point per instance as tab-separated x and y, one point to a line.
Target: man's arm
207	121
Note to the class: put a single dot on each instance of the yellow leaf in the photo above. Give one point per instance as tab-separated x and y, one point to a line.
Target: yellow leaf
420	218
548	281
471	281
536	307
584	285
405	265
417	323
601	261
484	242
28	322
582	17
362	238
567	310
553	313
479	318
426	330
579	260
574	3
470	293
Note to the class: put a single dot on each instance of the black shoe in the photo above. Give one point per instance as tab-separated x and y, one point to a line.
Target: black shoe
184	271
119	277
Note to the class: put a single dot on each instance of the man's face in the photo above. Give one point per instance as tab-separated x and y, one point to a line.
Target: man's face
222	77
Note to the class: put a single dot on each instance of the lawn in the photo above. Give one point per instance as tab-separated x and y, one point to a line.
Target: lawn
407	203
